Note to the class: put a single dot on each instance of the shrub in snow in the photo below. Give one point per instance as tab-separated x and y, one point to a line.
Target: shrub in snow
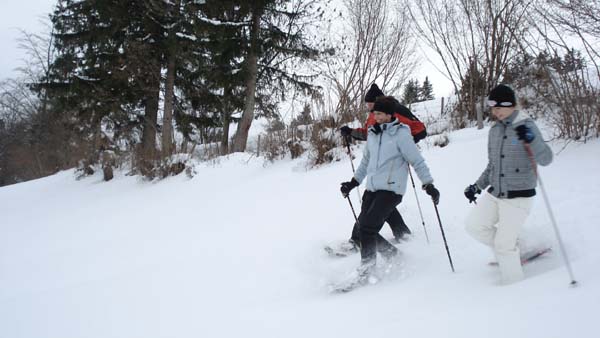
108	162
84	168
296	148
273	145
322	141
441	140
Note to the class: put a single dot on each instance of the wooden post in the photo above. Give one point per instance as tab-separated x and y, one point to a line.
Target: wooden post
442	109
258	147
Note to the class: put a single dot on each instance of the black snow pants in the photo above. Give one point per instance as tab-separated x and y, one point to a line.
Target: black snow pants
376	209
395	221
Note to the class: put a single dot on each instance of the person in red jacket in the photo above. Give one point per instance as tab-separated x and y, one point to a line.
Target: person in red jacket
395	220
402	114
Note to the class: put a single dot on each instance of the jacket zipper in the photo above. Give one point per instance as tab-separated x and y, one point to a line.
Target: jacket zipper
379	149
378	154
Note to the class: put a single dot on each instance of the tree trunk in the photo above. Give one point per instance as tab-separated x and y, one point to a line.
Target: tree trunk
167	129
225	137
241	135
151	100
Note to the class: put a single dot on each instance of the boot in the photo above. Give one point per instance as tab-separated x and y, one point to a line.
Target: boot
366	272
389	254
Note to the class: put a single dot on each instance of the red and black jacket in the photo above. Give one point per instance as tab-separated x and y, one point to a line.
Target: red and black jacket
403	115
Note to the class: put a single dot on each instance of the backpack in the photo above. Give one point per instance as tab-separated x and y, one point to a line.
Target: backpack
405	116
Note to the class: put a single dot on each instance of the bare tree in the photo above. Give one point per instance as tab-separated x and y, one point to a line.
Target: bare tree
567	83
378	47
581	19
472	37
39	55
29	135
579	105
18	101
504	22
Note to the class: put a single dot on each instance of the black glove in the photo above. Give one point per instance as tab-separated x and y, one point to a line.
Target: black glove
470	192
433	192
345	131
525	133
348	186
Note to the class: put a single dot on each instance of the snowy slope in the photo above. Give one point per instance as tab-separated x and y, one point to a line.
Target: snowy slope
237	251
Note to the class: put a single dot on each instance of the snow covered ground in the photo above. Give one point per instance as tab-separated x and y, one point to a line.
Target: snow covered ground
237	251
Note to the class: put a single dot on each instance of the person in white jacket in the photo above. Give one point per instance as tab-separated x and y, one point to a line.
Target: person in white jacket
509	181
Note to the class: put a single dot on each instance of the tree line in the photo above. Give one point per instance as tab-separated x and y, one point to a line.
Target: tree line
117	65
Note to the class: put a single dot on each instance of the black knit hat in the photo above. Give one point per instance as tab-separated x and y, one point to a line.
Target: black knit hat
373	93
385	104
502	96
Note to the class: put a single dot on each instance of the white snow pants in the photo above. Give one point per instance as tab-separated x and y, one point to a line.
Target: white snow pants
496	223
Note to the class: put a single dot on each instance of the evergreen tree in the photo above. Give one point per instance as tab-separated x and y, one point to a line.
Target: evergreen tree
108	70
277	43
426	91
211	75
250	54
173	19
411	92
221	58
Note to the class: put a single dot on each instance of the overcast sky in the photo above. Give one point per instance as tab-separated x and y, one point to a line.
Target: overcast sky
27	14
15	14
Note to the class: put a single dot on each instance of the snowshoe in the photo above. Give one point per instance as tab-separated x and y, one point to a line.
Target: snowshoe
363	275
529	256
343	249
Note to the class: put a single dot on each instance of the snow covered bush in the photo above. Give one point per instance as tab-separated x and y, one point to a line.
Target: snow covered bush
441	140
323	141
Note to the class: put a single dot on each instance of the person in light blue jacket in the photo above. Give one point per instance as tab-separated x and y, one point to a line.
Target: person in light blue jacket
389	152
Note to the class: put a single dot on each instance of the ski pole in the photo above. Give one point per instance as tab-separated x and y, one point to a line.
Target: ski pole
349	151
352	207
418	203
443	236
554	225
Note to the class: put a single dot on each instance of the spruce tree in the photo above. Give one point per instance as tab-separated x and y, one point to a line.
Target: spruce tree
108	71
221	59
411	92
426	91
277	42
250	53
89	80
211	75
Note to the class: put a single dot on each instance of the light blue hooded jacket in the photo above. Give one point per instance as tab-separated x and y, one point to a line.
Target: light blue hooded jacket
386	158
